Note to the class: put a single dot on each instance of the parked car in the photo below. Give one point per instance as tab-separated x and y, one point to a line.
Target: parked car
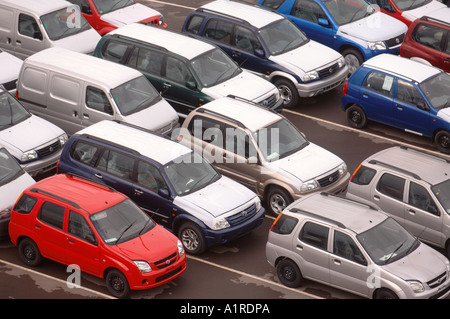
74	90
27	27
75	221
428	41
409	10
13	181
262	150
10	66
35	143
105	16
353	28
412	186
271	46
354	247
402	93
177	187
188	72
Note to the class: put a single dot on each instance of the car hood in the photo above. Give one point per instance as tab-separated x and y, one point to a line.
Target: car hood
10	67
18	139
154	245
444	114
318	55
424	10
376	27
245	85
423	264
83	42
308	163
130	14
217	198
10	192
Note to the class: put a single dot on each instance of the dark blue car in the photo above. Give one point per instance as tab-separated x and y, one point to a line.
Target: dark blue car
402	93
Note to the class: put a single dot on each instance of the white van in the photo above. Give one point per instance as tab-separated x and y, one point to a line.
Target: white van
74	90
29	26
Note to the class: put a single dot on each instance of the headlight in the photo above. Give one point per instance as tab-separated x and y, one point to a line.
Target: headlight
220	223
341	62
143	266
28	156
180	248
308	186
416	286
342	169
258	204
63	139
309	76
447	264
378	45
5	213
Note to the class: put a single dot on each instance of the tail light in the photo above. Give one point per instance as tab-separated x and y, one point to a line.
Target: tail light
344	90
17	94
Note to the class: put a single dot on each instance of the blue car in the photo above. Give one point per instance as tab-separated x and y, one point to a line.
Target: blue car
353	28
402	93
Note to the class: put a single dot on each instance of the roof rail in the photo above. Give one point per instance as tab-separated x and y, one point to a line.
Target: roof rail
137	127
91	182
349	200
373	161
325	219
427	18
38	190
99	139
207	111
125	37
406	148
252	103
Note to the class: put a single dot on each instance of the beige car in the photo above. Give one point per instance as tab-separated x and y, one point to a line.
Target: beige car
262	150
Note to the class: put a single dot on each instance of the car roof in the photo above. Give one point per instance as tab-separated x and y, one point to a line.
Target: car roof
83	66
250	115
40	7
338	211
255	15
83	193
425	166
172	41
443	15
153	146
403	67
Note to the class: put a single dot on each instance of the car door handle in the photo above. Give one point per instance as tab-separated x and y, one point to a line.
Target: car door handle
37	225
138	192
411	212
399	107
235	53
299	247
365	95
376	197
71	240
98	175
86	116
337	261
18	42
447	60
167	85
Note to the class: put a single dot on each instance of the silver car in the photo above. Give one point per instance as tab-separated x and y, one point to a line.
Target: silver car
354	247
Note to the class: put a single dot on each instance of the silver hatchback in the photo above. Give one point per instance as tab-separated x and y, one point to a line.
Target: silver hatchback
354	247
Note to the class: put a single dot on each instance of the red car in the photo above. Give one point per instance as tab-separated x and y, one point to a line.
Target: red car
75	221
105	16
428	41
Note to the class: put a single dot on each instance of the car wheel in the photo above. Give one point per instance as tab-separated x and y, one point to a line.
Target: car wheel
29	252
353	59
442	141
288	92
277	200
117	284
192	238
385	294
289	273
356	117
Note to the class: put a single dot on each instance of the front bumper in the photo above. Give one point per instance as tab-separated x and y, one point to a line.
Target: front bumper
318	87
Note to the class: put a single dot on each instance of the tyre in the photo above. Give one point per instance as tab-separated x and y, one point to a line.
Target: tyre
192	238
353	59
385	294
356	117
442	141
288	92
29	252
117	284
277	199
289	274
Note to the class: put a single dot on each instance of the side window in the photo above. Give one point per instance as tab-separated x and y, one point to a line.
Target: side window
52	214
85	153
246	40
344	246
96	99
114	51
315	235
149	177
219	30
272	4
147	61
25	204
379	82
207	129
447	45
308	10
392	186
79	227
29	27
117	164
408	93
238	142
177	71
429	35
285	225
419	197
194	24
363	175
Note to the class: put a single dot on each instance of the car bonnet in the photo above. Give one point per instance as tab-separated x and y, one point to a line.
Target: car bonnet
130	14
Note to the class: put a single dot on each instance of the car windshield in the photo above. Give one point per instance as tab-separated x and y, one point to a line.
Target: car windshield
121	222
436	89
282	36
387	242
442	193
63	23
214	67
105	6
279	140
190	172
135	95
344	12
9	168
410	4
11	111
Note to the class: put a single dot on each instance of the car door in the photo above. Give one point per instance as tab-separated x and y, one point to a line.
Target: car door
96	107
29	36
247	51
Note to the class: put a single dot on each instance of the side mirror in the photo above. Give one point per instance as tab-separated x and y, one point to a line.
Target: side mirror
192	85
323	22
86	9
91	239
252	160
37	35
260	53
389	7
164	192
